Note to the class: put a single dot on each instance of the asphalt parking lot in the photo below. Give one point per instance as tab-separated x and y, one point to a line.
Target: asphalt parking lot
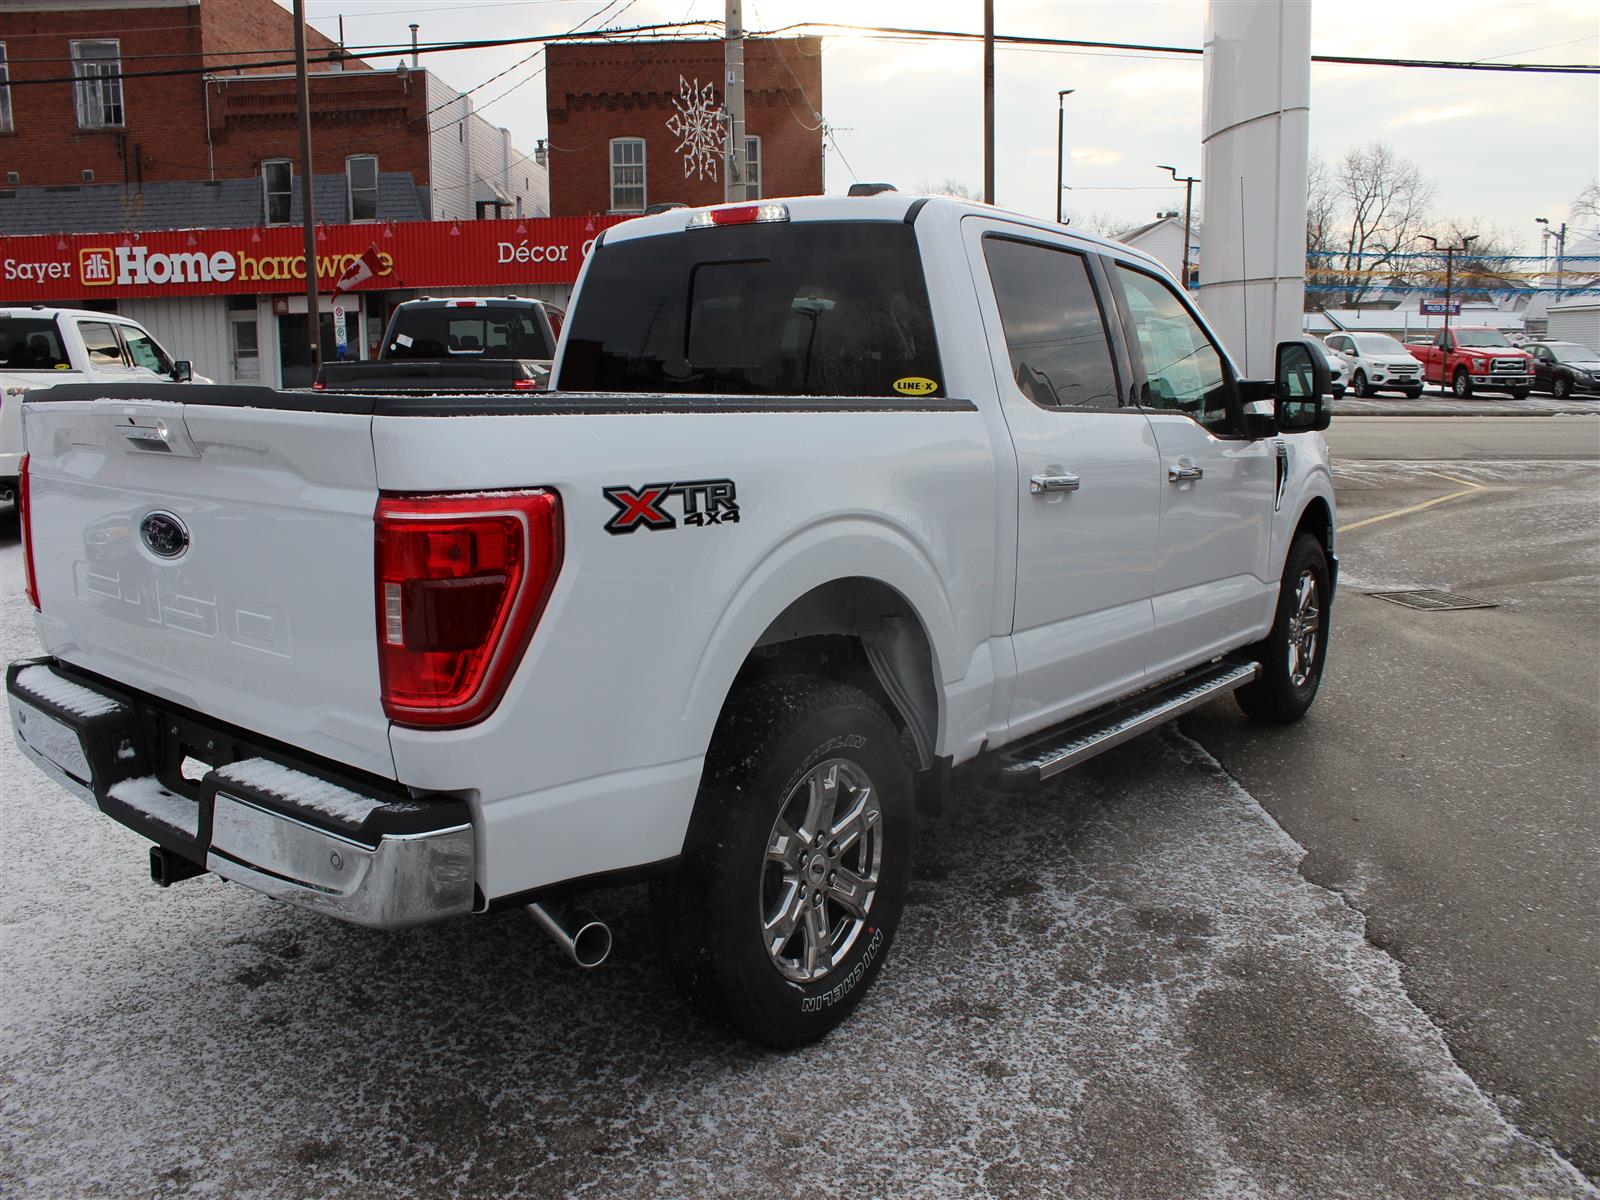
1350	959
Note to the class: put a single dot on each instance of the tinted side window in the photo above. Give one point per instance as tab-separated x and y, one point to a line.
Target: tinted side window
30	344
100	340
808	308
1183	371
1055	333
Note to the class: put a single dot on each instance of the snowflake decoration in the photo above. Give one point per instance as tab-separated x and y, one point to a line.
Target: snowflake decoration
698	126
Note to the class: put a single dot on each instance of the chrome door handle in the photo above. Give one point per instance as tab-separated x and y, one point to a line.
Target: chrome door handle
1040	484
1183	474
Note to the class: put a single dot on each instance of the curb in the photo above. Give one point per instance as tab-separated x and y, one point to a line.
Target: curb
1543	411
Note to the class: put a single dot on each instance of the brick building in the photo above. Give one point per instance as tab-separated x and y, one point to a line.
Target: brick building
618	122
105	148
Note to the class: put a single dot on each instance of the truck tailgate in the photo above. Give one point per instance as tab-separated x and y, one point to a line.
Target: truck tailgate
220	558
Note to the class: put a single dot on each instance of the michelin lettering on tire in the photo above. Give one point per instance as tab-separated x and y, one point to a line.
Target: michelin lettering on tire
811	1004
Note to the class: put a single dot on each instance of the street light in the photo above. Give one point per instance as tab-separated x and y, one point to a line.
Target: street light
1450	253
1188	182
1061	152
1560	236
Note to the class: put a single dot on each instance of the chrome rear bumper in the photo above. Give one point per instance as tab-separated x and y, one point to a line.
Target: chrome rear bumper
289	829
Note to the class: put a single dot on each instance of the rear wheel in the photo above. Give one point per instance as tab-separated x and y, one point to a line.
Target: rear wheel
796	867
1462	384
1292	655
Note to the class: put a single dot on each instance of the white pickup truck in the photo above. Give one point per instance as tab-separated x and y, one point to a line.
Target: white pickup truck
834	496
44	347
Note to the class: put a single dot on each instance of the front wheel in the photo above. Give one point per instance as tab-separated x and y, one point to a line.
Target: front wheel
795	870
1560	387
1462	385
1292	655
1414	393
1359	383
1521	393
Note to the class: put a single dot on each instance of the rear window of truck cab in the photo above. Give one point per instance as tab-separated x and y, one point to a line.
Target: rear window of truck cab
481	331
808	308
31	344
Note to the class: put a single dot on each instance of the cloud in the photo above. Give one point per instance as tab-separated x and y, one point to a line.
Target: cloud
1432	116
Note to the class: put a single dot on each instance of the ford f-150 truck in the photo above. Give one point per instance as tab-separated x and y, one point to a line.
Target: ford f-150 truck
1468	360
42	347
469	344
835	495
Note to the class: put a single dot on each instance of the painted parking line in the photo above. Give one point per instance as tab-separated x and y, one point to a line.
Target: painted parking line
1468	489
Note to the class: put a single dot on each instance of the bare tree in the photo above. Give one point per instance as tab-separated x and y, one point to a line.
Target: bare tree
1585	208
1385	199
1322	232
1104	224
950	187
1489	264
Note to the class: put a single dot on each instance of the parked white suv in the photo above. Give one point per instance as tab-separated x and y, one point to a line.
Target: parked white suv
1376	362
42	347
835	495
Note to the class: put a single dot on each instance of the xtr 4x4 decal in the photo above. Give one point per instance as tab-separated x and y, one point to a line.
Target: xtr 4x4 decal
703	502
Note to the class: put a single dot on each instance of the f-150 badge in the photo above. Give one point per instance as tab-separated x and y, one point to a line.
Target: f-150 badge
702	502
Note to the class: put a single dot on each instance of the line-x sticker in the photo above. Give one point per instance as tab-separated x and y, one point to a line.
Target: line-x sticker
701	502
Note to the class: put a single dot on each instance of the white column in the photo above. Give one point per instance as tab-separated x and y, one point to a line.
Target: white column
1255	130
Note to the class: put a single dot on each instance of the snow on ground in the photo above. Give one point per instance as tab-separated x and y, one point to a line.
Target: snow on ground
1116	986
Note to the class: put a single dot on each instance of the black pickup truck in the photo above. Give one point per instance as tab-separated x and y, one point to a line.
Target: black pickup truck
470	344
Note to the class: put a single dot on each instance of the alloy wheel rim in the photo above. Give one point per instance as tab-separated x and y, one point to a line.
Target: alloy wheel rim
824	862
1304	625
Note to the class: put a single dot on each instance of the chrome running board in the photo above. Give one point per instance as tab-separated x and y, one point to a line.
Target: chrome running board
1053	751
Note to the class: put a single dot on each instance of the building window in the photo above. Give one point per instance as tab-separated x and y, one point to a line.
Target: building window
5	91
752	168
361	174
277	187
97	68
627	175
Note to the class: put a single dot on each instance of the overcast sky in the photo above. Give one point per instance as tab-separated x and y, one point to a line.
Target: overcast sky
1502	149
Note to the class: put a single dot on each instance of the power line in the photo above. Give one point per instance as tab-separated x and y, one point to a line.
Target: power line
880	31
1440	64
336	54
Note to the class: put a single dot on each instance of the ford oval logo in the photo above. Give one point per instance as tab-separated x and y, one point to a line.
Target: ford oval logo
164	535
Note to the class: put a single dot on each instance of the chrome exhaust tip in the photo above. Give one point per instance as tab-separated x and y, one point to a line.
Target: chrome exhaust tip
584	937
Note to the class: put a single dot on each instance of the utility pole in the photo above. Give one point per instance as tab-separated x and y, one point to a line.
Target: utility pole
1450	253
988	101
307	211
1061	154
734	185
1560	236
1188	182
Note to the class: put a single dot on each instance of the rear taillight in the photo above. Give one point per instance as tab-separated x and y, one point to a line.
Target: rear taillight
461	580
25	513
525	385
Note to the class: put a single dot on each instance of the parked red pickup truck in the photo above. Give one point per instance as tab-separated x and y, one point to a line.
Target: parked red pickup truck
1470	360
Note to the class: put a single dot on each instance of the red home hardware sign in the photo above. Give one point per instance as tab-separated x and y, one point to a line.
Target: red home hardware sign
218	262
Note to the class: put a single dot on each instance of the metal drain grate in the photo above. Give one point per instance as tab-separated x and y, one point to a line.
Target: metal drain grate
1429	600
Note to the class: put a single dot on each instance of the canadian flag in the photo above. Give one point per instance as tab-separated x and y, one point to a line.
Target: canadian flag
364	268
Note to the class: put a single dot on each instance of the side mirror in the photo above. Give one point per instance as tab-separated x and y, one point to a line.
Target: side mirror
1304	388
182	371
